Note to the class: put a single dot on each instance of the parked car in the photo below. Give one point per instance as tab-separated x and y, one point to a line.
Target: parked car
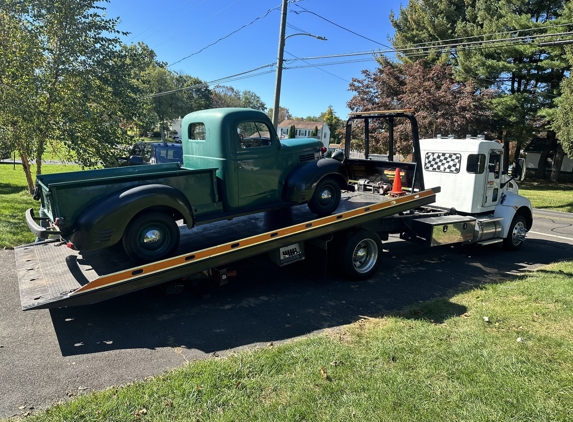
145	152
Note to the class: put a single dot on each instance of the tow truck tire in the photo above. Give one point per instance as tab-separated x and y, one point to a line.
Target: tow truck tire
512	242
326	197
151	236
359	254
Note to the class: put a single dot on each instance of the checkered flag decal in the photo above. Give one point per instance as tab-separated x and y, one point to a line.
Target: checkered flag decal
443	162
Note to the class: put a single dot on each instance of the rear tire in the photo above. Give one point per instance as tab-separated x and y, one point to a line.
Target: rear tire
512	241
326	197
359	254
151	236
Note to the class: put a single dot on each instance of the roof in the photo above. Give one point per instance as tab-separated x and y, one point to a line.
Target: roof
300	124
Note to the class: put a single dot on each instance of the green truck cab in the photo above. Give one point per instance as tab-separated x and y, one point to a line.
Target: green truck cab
233	164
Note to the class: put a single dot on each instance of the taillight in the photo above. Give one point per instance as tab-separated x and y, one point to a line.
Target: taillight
57	222
323	150
70	245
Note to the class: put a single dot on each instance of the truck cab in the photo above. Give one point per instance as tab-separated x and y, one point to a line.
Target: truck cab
257	168
469	172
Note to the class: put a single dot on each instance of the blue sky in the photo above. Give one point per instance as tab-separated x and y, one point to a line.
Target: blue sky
175	29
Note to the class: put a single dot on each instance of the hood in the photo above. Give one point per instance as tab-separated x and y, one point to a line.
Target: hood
301	144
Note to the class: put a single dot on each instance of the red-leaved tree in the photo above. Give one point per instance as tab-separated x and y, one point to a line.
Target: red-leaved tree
441	104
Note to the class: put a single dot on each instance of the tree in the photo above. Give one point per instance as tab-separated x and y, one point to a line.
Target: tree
442	105
292	132
314	131
67	80
334	124
525	76
562	120
227	96
284	114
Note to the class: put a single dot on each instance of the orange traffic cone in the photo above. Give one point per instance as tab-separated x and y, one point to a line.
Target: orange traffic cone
397	185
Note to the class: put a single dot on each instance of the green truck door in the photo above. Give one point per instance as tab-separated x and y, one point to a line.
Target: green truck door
257	163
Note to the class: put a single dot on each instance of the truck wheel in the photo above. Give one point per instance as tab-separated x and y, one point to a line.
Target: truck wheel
359	254
326	197
516	232
151	236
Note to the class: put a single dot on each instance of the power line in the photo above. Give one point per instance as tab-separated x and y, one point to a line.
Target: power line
236	76
408	52
165	18
317	67
340	26
226	36
197	24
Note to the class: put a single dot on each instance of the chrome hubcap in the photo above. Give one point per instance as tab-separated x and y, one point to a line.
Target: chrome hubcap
325	195
519	232
365	255
152	236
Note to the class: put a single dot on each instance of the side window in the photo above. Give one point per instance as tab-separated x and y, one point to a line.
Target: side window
494	164
476	163
253	135
197	132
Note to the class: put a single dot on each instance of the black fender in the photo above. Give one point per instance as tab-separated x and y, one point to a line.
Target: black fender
102	222
301	182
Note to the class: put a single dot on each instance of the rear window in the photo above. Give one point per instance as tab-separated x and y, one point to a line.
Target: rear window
197	132
169	155
476	163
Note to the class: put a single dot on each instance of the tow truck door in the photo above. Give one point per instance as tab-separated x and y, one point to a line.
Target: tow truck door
493	174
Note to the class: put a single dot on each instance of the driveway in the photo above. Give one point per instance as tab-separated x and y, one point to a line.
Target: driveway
51	355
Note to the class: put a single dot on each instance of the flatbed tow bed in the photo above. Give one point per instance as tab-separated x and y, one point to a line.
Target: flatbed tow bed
50	275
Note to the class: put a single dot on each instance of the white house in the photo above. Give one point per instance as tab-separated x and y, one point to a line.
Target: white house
303	129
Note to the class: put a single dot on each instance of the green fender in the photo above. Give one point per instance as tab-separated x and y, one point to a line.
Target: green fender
102	223
301	182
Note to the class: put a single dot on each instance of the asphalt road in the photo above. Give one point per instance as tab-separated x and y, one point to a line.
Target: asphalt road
51	355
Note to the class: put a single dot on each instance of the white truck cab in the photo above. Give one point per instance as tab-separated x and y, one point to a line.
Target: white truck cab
469	173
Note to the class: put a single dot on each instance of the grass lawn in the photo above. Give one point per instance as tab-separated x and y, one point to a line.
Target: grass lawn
502	352
548	195
15	200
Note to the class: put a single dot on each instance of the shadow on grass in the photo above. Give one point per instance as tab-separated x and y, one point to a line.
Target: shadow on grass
545	185
436	311
9	189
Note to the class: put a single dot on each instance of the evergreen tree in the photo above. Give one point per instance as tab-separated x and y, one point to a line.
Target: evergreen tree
292	132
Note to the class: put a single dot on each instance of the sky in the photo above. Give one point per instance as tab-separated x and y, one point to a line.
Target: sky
181	33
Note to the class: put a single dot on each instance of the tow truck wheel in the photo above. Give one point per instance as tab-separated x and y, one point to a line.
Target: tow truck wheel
326	197
515	234
151	236
359	254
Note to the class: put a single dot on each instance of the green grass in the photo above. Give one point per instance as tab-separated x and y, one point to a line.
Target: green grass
548	195
15	200
438	361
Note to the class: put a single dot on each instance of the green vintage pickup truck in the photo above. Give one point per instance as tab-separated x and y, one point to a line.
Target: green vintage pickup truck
233	164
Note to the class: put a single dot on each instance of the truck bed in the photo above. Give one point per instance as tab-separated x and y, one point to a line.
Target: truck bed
52	275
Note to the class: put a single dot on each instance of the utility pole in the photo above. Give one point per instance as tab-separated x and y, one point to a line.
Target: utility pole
280	64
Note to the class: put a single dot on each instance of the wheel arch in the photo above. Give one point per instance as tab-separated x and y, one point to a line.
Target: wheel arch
300	184
102	223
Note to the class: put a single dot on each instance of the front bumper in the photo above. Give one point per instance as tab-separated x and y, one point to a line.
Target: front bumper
39	231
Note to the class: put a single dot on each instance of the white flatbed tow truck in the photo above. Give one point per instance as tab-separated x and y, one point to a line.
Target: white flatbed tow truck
472	202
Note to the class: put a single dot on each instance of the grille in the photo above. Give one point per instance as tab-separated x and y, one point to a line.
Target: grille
103	235
306	157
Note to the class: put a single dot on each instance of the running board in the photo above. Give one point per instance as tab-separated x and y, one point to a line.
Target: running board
490	242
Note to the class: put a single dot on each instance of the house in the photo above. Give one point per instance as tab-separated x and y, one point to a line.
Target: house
533	153
303	129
